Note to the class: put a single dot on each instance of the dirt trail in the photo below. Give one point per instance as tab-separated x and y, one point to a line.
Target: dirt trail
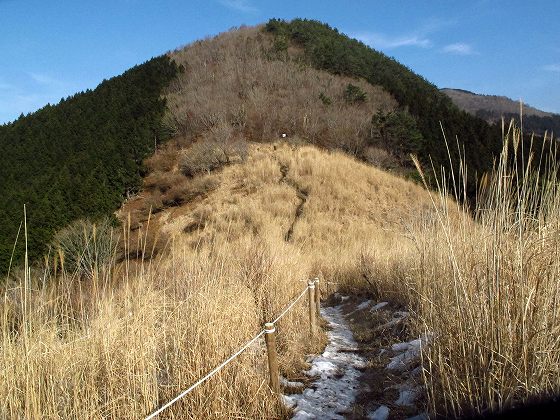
370	368
336	372
302	195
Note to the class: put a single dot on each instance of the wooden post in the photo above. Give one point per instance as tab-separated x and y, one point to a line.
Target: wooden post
312	307
317	296
270	339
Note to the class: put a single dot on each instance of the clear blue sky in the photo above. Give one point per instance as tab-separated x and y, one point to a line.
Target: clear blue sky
52	49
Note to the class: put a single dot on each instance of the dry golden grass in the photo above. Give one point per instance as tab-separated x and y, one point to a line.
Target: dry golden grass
126	342
351	213
130	339
119	350
489	289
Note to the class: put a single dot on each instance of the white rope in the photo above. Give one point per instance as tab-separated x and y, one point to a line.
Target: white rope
290	306
233	356
208	376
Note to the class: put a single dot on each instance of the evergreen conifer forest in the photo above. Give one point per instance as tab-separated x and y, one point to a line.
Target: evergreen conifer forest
80	158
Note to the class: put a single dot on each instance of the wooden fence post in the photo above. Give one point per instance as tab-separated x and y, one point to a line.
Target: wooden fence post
317	296
312	307
270	339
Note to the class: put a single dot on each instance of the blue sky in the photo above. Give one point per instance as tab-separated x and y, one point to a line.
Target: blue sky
51	49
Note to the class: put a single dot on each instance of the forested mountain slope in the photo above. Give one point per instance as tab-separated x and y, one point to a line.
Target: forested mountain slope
325	48
79	158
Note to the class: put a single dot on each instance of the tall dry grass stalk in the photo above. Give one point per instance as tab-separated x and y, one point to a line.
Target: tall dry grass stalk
488	288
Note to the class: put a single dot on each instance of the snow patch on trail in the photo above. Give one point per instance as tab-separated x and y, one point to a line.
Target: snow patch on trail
382	413
360	307
337	370
289	384
398	317
363	305
407	395
379	306
410	353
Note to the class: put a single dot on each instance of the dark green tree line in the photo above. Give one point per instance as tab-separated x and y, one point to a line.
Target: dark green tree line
79	158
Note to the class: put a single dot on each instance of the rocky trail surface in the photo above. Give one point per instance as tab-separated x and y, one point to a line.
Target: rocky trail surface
370	368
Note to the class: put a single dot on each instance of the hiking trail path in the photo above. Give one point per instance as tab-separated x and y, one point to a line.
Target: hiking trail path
369	369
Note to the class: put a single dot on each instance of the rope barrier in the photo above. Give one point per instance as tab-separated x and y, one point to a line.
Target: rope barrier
290	306
208	376
225	362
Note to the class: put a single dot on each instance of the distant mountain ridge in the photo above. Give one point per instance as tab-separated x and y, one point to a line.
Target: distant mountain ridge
493	107
473	102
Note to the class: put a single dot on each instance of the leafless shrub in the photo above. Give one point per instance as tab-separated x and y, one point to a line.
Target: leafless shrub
161	161
202	157
217	148
379	157
162	181
153	203
188	190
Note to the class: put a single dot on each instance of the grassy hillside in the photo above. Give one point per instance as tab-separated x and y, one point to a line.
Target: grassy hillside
135	335
79	158
232	92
